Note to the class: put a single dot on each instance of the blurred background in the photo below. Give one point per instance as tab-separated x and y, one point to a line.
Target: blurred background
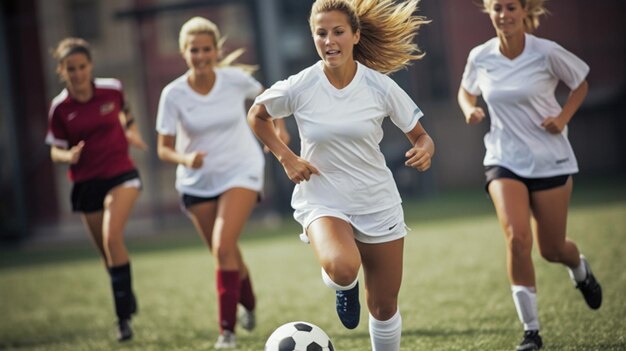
136	41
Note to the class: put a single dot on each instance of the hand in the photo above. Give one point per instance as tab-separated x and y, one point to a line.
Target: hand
135	140
299	169
476	116
553	125
418	158
195	159
75	152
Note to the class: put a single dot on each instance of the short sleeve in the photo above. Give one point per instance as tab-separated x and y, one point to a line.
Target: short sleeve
56	134
567	66
277	99
253	87
403	112
167	114
469	82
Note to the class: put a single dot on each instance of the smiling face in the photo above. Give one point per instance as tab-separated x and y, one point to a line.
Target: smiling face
76	71
507	17
200	53
334	38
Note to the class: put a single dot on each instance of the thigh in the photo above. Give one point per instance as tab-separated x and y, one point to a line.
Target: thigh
93	223
549	208
118	205
512	204
382	269
332	240
233	209
203	216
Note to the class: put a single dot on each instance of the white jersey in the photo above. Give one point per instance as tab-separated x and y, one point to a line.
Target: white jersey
520	95
216	124
340	131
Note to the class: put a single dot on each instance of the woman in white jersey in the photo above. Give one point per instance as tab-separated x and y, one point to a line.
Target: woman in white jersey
528	160
202	127
346	199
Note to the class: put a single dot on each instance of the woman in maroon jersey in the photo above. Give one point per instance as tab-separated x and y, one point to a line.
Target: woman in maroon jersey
90	129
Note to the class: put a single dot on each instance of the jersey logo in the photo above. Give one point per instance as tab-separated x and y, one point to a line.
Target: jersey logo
563	160
107	108
72	115
393	226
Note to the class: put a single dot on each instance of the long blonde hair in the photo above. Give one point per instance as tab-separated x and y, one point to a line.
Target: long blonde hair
534	8
201	25
388	29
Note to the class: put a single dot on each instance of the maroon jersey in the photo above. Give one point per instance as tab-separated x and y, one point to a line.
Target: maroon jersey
97	123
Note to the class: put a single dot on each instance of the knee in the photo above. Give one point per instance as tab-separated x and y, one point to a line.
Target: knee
551	253
384	309
114	241
519	242
342	272
223	253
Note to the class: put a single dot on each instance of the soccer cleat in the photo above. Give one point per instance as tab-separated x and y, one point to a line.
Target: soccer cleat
247	319
531	341
591	290
124	331
226	340
348	307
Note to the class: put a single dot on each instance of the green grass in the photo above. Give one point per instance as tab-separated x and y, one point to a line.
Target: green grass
455	294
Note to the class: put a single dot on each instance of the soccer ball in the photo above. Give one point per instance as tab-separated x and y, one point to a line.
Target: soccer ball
299	336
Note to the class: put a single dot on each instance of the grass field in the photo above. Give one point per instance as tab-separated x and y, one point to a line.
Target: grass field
455	294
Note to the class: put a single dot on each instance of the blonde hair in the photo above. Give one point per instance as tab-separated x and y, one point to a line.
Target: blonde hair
534	8
201	25
388	29
70	46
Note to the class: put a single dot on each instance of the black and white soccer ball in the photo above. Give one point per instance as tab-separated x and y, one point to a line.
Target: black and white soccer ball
299	336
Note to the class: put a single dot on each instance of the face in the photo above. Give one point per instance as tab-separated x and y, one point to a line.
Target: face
75	70
334	39
200	53
507	17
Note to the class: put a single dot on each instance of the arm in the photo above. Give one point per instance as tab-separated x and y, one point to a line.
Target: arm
473	114
555	125
70	156
297	169
167	152
420	155
132	132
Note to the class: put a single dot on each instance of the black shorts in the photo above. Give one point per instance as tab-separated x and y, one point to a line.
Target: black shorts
533	184
88	196
190	200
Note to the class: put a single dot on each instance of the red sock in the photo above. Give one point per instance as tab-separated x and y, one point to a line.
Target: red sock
228	295
246	296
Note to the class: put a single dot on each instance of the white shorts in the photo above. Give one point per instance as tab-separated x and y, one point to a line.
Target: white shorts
372	228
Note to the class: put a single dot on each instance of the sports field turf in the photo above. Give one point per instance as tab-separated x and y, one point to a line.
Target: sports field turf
455	294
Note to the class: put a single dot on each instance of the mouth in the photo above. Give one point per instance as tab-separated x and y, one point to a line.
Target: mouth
332	53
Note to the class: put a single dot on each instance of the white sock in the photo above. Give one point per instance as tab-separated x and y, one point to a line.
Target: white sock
525	300
331	284
579	273
385	335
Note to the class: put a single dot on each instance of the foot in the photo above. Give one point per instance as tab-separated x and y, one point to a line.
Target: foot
531	341
348	307
124	331
247	318
591	290
226	340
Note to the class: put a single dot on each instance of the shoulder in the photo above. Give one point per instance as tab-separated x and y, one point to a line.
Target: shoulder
541	45
58	101
376	80
483	50
108	84
305	79
175	86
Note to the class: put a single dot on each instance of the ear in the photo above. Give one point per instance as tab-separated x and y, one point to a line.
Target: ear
357	36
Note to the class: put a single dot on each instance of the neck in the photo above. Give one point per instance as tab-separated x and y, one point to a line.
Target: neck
202	83
81	95
340	77
512	46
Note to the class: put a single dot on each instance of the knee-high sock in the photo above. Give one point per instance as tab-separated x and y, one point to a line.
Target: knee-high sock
246	294
525	299
331	284
385	335
121	284
228	295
